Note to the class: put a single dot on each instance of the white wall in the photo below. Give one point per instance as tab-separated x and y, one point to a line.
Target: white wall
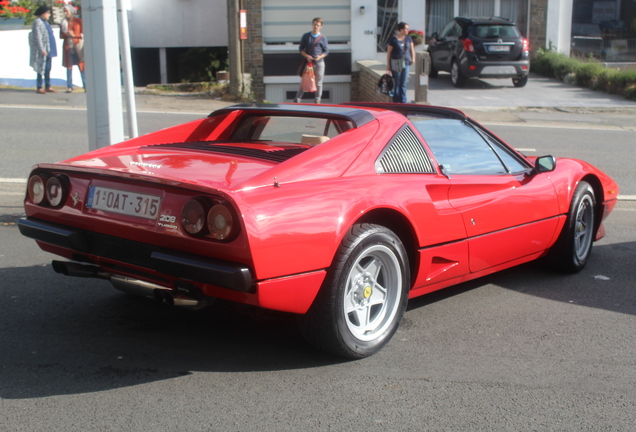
178	23
363	30
15	69
559	25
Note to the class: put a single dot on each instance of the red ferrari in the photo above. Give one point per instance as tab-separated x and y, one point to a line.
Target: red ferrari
339	214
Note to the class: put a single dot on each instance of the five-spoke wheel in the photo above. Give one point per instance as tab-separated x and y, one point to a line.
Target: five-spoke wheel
573	248
364	295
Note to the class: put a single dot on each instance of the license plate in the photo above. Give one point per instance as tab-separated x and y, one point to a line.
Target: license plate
498	48
123	202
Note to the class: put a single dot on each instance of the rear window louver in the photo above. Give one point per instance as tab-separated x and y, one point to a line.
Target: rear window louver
405	154
274	155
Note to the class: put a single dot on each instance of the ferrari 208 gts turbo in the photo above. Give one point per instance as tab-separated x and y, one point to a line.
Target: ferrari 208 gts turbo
338	214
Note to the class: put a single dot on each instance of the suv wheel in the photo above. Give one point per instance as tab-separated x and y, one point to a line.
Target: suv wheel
433	71
520	81
457	78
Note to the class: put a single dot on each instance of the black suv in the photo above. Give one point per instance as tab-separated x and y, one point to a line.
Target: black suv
480	48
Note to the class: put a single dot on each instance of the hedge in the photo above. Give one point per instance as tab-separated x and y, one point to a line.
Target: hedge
590	74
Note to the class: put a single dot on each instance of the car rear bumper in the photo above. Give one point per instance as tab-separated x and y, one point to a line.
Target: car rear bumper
480	69
160	260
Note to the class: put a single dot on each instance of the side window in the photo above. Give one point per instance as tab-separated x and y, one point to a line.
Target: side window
404	154
459	147
457	30
448	30
512	163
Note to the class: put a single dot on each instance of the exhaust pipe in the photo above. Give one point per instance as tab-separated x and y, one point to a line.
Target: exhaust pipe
169	296
175	299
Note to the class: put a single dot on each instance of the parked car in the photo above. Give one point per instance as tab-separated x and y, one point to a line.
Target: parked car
480	48
339	214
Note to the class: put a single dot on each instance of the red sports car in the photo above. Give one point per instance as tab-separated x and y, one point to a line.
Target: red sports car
339	214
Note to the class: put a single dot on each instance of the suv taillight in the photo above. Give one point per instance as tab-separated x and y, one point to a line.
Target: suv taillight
468	45
525	47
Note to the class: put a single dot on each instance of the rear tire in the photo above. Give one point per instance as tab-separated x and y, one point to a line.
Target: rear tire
363	298
574	246
520	81
457	78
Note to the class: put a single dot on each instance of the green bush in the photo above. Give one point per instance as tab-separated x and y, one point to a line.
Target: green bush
587	73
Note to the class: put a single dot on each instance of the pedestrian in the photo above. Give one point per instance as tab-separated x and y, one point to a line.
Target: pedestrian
314	48
400	54
71	31
43	48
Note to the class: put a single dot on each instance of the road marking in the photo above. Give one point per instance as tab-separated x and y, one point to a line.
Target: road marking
529	150
13	180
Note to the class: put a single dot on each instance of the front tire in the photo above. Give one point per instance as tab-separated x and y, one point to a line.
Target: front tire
574	246
363	298
433	73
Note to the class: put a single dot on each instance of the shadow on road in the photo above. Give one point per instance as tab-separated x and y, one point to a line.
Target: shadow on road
72	335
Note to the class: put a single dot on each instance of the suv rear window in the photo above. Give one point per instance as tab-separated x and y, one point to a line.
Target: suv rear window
494	31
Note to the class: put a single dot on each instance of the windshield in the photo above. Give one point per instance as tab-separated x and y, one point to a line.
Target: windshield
495	31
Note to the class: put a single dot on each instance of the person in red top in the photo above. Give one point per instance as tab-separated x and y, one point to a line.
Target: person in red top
71	30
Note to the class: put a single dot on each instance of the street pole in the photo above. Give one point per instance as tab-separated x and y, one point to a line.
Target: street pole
103	93
129	85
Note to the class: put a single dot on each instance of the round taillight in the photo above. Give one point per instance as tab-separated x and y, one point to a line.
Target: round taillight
193	217
36	189
56	190
221	223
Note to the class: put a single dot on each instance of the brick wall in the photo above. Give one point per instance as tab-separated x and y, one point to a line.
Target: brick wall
364	83
538	19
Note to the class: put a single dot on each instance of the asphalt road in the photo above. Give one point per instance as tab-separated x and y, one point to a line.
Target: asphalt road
525	349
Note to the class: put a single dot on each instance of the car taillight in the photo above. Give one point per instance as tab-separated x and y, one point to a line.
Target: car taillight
200	216
193	217
468	45
56	190
36	189
525	47
43	189
221	223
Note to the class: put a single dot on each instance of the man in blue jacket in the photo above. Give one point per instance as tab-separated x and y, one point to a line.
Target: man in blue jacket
314	47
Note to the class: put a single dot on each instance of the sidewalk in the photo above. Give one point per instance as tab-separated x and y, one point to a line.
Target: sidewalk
542	100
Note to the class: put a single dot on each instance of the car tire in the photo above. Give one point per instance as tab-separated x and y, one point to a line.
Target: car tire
457	78
574	245
520	81
363	298
433	72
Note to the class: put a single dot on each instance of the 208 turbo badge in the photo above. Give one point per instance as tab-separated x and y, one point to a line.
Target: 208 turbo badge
167	221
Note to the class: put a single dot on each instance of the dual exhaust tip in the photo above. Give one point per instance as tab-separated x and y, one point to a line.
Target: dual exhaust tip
172	297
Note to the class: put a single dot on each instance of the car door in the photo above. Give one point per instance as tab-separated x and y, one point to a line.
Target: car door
508	212
441	52
410	180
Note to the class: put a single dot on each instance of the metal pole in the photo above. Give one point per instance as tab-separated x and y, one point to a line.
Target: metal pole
103	79
129	84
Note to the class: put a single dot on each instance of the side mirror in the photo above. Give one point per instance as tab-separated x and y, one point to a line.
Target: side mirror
545	164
